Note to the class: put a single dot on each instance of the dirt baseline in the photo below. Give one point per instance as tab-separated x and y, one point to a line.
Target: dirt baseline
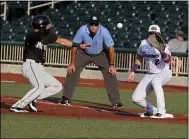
18	78
91	111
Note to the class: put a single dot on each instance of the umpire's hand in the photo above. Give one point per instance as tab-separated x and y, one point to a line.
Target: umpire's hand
112	70
71	68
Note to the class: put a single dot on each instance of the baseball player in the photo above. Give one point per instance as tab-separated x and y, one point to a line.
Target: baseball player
158	74
44	84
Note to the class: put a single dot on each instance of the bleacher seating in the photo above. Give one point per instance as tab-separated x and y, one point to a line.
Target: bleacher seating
136	17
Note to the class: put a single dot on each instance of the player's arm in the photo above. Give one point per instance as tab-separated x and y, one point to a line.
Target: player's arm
76	41
137	64
139	57
52	38
66	42
166	55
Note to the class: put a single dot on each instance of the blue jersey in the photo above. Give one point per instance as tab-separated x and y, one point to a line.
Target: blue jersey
101	38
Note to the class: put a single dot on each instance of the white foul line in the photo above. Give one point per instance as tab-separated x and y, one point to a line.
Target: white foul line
4	81
76	106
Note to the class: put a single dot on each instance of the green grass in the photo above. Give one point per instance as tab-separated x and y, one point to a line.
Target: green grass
175	102
27	126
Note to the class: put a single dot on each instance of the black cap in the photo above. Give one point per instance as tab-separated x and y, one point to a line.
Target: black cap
40	21
94	19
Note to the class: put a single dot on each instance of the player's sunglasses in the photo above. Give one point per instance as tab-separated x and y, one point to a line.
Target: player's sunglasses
92	24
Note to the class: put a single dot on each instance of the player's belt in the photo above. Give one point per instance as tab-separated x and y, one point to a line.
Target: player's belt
31	60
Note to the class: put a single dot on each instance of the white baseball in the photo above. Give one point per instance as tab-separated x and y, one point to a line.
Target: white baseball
119	25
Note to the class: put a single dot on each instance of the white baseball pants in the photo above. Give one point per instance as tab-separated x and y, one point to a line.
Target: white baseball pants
44	84
152	82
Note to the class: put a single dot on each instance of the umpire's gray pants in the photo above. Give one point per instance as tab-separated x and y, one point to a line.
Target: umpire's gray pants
101	60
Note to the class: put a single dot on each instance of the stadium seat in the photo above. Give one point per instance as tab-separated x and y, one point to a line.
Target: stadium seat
136	16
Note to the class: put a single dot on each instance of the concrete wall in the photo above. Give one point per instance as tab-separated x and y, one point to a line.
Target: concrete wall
90	74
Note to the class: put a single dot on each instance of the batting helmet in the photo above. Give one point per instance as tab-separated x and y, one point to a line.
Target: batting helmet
40	22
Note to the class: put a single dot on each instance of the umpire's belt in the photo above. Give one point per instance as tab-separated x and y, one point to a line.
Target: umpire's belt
31	60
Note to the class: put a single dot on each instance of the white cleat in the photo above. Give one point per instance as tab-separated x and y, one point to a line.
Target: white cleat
168	115
17	109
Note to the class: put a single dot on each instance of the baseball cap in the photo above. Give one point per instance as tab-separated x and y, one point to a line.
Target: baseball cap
180	33
154	28
94	20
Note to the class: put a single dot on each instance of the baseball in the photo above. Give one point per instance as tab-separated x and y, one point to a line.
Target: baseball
119	25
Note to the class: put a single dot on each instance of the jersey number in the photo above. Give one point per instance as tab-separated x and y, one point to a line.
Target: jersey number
157	62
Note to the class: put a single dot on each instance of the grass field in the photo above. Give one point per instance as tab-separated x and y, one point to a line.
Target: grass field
56	127
48	127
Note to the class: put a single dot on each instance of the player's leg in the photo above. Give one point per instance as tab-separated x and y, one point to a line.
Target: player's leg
81	60
143	89
111	82
159	80
33	71
52	86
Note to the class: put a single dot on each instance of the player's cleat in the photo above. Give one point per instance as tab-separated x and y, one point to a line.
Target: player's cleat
64	101
168	115
146	114
118	105
17	109
158	116
32	107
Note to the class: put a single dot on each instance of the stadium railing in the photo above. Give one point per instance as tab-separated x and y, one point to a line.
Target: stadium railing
40	5
57	56
4	10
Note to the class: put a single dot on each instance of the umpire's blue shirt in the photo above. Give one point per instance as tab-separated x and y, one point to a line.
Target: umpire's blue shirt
102	37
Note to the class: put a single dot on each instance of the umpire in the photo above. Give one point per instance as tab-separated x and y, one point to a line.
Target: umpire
97	35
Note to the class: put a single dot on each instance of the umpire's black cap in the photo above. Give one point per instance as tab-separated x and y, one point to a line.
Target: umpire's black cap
94	19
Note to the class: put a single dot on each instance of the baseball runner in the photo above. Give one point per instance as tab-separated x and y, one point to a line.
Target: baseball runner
156	56
44	84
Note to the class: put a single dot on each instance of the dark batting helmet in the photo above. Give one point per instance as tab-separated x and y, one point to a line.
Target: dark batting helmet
40	22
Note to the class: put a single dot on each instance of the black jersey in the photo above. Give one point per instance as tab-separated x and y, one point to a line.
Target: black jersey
36	44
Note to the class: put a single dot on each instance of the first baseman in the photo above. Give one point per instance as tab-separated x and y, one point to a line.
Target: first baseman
158	74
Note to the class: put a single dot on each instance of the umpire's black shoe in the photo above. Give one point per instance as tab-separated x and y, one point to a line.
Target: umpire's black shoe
64	101
118	105
32	107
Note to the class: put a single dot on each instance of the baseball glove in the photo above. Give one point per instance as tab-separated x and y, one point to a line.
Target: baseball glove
157	41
